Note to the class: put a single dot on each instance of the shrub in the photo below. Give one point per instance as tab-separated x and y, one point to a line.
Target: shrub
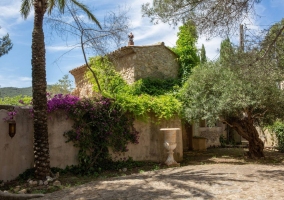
278	129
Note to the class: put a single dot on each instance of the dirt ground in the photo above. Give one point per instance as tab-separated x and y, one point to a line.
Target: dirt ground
214	158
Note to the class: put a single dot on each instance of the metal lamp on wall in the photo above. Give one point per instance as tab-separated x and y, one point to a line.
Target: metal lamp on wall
12	127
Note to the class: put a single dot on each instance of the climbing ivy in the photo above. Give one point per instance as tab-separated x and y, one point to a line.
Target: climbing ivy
144	96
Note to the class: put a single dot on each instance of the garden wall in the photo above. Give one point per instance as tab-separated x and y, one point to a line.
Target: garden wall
16	154
151	141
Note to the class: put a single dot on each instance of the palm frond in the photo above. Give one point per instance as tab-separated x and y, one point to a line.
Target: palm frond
61	5
51	4
86	10
26	8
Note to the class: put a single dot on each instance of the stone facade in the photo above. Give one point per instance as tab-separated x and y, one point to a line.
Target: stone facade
136	62
133	63
83	87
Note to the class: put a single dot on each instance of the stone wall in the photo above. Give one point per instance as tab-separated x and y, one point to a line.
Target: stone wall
155	61
83	86
212	134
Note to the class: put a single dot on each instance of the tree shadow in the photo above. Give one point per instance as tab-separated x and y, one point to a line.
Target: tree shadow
172	183
268	174
234	156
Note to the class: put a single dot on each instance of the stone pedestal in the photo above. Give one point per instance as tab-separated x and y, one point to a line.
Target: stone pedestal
170	144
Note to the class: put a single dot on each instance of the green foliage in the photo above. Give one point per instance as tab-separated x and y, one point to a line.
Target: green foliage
226	51
63	86
276	53
186	49
12	91
216	91
99	124
28	174
222	140
16	100
155	87
203	58
5	45
278	129
110	80
143	97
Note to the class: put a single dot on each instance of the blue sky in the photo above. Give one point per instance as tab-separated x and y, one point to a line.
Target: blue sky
15	67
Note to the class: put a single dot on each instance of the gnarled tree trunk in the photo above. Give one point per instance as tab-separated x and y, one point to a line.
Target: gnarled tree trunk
247	130
41	145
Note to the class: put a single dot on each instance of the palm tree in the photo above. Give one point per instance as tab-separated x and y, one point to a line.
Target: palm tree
41	145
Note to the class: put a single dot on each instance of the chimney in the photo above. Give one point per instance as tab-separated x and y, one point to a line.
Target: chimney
130	42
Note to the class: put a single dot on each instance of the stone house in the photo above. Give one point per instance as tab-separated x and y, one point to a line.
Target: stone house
154	61
133	63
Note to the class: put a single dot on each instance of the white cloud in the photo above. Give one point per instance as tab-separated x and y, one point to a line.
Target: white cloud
212	46
60	48
15	81
28	79
10	8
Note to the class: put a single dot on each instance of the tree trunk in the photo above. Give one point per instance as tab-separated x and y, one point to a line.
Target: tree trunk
41	145
247	130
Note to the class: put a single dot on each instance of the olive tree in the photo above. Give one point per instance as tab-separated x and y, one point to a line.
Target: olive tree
241	97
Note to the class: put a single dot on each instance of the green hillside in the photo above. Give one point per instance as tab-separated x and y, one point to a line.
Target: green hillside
13	91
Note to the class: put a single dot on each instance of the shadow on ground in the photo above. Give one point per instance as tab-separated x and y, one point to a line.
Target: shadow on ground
235	156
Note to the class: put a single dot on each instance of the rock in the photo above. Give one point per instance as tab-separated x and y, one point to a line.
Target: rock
23	191
17	188
119	170
40	182
5	191
45	182
49	179
31	182
56	183
2	184
124	169
34	183
57	175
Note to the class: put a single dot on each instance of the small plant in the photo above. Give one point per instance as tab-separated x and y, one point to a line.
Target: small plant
222	140
278	129
156	167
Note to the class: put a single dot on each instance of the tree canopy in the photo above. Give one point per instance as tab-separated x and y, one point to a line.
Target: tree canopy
212	17
203	58
237	95
5	45
186	49
63	86
276	52
226	51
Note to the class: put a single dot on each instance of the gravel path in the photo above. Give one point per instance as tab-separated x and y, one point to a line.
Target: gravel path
217	181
